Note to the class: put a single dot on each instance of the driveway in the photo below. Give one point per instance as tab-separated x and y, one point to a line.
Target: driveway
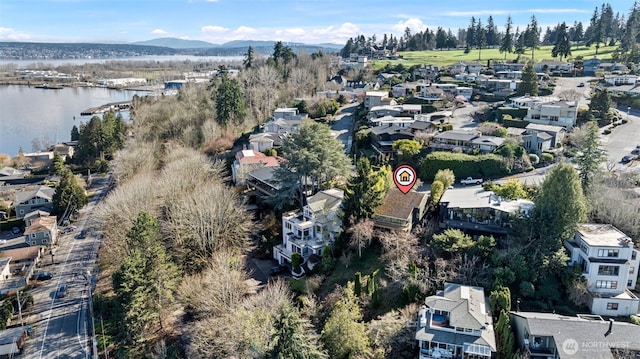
342	126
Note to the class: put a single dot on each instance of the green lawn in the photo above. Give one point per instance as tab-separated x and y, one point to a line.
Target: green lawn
447	57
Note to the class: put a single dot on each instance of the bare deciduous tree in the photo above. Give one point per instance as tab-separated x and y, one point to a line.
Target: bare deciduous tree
400	249
361	234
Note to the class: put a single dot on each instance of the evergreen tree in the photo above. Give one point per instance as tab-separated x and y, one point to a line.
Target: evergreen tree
69	195
520	43
75	133
441	38
58	165
600	104
471	33
452	42
293	337
562	46
365	191
505	341
230	107
480	37
529	84
506	46
313	158
248	58
532	36
144	283
591	155
561	204
344	333
492	35
595	30
576	32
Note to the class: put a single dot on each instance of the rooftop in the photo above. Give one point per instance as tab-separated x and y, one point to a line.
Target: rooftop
399	205
603	235
474	197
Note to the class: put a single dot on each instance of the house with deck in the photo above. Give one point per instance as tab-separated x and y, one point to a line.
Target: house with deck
309	231
479	212
247	161
466	141
547	110
400	211
609	262
456	323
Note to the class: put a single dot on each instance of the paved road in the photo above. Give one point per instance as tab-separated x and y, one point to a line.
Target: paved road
342	126
62	325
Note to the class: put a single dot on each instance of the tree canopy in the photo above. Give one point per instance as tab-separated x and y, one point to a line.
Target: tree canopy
230	107
366	190
313	158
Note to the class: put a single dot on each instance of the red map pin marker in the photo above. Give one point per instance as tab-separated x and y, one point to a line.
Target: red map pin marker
404	177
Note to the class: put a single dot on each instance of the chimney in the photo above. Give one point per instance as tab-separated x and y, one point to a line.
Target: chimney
610	327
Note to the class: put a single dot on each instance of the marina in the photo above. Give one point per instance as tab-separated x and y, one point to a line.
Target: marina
113	106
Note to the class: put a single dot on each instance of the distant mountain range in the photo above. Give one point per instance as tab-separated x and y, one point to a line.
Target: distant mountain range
162	46
176	43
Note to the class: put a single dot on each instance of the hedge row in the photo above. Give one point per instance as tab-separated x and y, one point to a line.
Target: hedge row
506	122
462	165
513	112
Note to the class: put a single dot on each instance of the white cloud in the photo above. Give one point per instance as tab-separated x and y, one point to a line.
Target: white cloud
11	34
159	32
478	13
415	24
214	28
291	32
244	30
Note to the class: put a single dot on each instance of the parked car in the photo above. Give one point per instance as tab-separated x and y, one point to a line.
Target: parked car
471	180
628	158
62	290
280	269
15	230
42	276
581	84
82	234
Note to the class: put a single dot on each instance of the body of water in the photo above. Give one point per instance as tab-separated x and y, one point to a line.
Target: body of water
27	113
31	64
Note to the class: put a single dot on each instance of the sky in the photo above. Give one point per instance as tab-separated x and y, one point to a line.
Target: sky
308	21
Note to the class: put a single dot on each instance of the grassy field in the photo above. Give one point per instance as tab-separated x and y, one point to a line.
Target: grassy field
448	57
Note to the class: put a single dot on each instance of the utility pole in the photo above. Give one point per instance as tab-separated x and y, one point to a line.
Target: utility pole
19	308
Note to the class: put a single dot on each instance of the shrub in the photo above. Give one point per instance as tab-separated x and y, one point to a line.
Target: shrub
462	165
534	159
607	131
546	157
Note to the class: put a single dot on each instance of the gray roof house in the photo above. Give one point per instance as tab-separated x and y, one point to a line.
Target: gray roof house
40	198
540	138
465	140
399	211
456	323
547	335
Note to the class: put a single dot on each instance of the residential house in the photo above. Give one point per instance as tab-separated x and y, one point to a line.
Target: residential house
447	88
288	113
30	217
456	323
429	93
590	66
391	120
308	232
39	198
384	77
263	182
609	262
465	140
556	336
282	125
261	142
355	62
403	90
617	80
400	211
64	150
630	90
22	263
477	211
360	88
12	341
377	98
428	72
248	161
5	269
548	110
40	159
395	110
500	87
540	138
42	231
382	138
553	66
507	66
468	67
11	172
466	92
509	75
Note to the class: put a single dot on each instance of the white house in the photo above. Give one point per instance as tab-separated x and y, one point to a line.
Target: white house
548	110
307	232
248	161
456	323
609	263
377	98
616	80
